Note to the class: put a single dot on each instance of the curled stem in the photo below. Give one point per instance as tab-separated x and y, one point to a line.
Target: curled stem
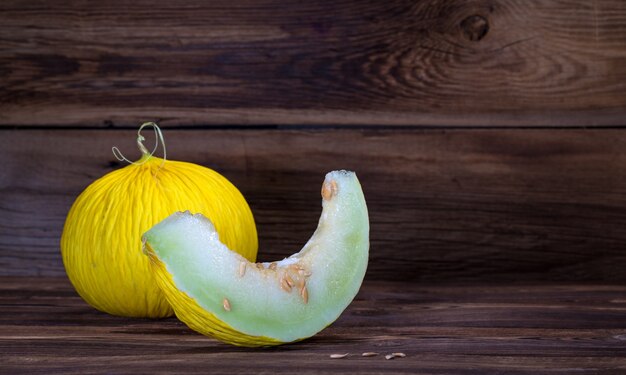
144	151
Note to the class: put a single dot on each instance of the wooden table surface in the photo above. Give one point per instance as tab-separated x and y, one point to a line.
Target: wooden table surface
468	329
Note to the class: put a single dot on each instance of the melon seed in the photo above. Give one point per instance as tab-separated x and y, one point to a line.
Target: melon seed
329	189
369	354
395	355
285	285
304	273
304	294
289	280
226	304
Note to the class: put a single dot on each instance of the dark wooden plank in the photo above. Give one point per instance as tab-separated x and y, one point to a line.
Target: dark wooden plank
400	62
470	329
492	205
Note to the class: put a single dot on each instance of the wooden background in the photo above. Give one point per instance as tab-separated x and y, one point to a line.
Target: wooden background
445	205
332	62
489	137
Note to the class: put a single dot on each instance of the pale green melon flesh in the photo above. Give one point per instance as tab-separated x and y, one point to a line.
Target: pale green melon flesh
207	271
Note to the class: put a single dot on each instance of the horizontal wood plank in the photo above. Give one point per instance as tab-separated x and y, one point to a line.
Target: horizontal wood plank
46	328
244	62
487	205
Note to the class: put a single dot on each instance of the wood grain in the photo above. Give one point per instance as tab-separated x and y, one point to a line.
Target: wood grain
486	205
46	328
244	62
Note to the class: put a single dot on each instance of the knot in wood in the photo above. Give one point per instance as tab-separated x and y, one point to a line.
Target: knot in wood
475	27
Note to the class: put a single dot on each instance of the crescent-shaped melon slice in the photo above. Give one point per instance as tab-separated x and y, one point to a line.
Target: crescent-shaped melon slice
217	292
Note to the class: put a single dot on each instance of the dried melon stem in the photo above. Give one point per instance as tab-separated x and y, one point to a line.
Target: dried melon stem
145	154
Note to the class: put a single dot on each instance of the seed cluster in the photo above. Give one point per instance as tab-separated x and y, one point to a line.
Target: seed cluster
290	277
300	274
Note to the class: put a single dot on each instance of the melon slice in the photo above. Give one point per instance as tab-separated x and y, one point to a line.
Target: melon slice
217	292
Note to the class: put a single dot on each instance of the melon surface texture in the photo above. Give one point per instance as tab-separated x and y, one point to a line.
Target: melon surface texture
101	240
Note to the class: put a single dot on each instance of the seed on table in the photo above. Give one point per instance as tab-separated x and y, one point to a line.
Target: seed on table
338	356
395	355
369	354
